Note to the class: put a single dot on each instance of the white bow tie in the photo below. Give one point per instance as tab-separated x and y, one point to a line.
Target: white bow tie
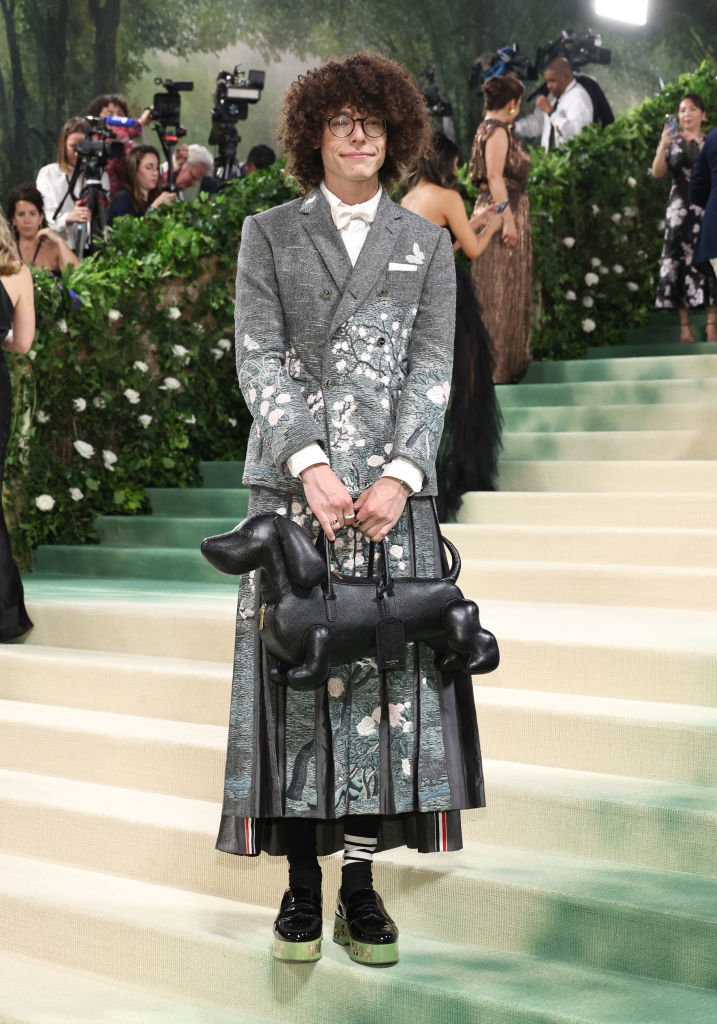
343	215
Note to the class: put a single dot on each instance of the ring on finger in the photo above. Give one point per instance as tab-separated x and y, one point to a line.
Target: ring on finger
334	522
349	515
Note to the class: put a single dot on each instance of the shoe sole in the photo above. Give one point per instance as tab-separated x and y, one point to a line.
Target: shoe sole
382	955
297	952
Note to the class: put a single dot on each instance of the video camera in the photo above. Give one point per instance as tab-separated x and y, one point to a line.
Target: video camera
166	106
436	106
233	93
99	145
508	60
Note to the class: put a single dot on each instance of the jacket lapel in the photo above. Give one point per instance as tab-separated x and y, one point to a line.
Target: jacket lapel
317	222
373	259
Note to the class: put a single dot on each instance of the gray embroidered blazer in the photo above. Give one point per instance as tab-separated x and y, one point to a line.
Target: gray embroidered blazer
358	358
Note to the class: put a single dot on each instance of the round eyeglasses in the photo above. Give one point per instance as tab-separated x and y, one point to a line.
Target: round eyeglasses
342	125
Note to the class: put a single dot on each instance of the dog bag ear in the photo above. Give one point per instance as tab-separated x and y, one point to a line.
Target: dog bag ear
304	564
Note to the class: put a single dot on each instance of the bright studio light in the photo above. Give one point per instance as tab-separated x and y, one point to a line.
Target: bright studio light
634	11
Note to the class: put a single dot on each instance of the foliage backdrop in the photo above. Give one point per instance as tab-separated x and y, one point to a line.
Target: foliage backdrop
131	380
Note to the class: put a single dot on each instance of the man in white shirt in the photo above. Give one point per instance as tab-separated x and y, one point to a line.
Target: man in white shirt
563	113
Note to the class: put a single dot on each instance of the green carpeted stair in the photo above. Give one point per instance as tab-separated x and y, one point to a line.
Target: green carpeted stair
586	892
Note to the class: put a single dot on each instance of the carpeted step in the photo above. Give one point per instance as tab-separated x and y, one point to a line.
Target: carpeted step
657	343
639	368
642	739
147	562
585	583
125	684
229	503
666	921
159	531
222	474
650	476
204	947
692	511
636	653
611	445
609	392
557	418
38	992
606	545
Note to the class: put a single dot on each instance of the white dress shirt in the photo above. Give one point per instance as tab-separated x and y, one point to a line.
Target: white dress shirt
354	223
53	183
571	112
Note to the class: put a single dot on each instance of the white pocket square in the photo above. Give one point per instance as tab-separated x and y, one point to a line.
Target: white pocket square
403	266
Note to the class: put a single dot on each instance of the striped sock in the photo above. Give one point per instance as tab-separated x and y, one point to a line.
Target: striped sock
356	869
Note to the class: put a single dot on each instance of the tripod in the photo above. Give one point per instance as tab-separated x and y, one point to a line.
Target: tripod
95	197
225	136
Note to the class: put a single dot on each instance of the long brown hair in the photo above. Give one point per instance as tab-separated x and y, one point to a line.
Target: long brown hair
128	175
74	124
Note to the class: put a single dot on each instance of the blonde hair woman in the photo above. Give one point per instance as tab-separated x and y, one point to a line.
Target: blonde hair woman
17	329
63	209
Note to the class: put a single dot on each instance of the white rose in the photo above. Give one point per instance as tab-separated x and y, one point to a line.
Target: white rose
80	404
588	325
170	384
366	727
145	420
190	419
226	345
99	403
595	262
570	295
76	494
41	416
109	458
140	365
45	502
174	312
628	211
588	301
179	351
631	286
617	269
216	352
631	181
84	449
131	395
595	209
616	218
62	325
113	314
231	421
568	243
604	270
591	279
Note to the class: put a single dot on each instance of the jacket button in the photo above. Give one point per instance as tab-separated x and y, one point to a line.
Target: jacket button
380	386
383	293
326	294
380	341
328	384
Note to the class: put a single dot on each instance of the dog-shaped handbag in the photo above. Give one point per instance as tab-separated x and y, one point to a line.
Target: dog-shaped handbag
312	617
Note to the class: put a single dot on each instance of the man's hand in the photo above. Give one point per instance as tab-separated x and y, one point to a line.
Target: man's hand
327	498
544	104
380	506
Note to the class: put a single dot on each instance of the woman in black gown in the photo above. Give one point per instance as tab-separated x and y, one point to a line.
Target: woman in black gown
468	455
17	329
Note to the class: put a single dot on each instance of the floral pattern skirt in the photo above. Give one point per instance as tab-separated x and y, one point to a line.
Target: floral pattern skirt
402	744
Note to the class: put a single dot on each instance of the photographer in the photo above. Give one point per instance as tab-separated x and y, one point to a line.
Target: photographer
140	180
259	157
562	114
60	185
115	105
190	164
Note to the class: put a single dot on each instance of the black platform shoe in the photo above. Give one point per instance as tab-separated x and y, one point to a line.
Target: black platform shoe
297	928
362	924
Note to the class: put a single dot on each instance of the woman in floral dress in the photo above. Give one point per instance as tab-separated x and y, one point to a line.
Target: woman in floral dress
681	285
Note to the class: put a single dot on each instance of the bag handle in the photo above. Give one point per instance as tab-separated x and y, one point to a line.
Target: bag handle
384	584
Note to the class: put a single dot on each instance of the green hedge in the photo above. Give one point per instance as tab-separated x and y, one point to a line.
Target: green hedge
143	369
132	383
